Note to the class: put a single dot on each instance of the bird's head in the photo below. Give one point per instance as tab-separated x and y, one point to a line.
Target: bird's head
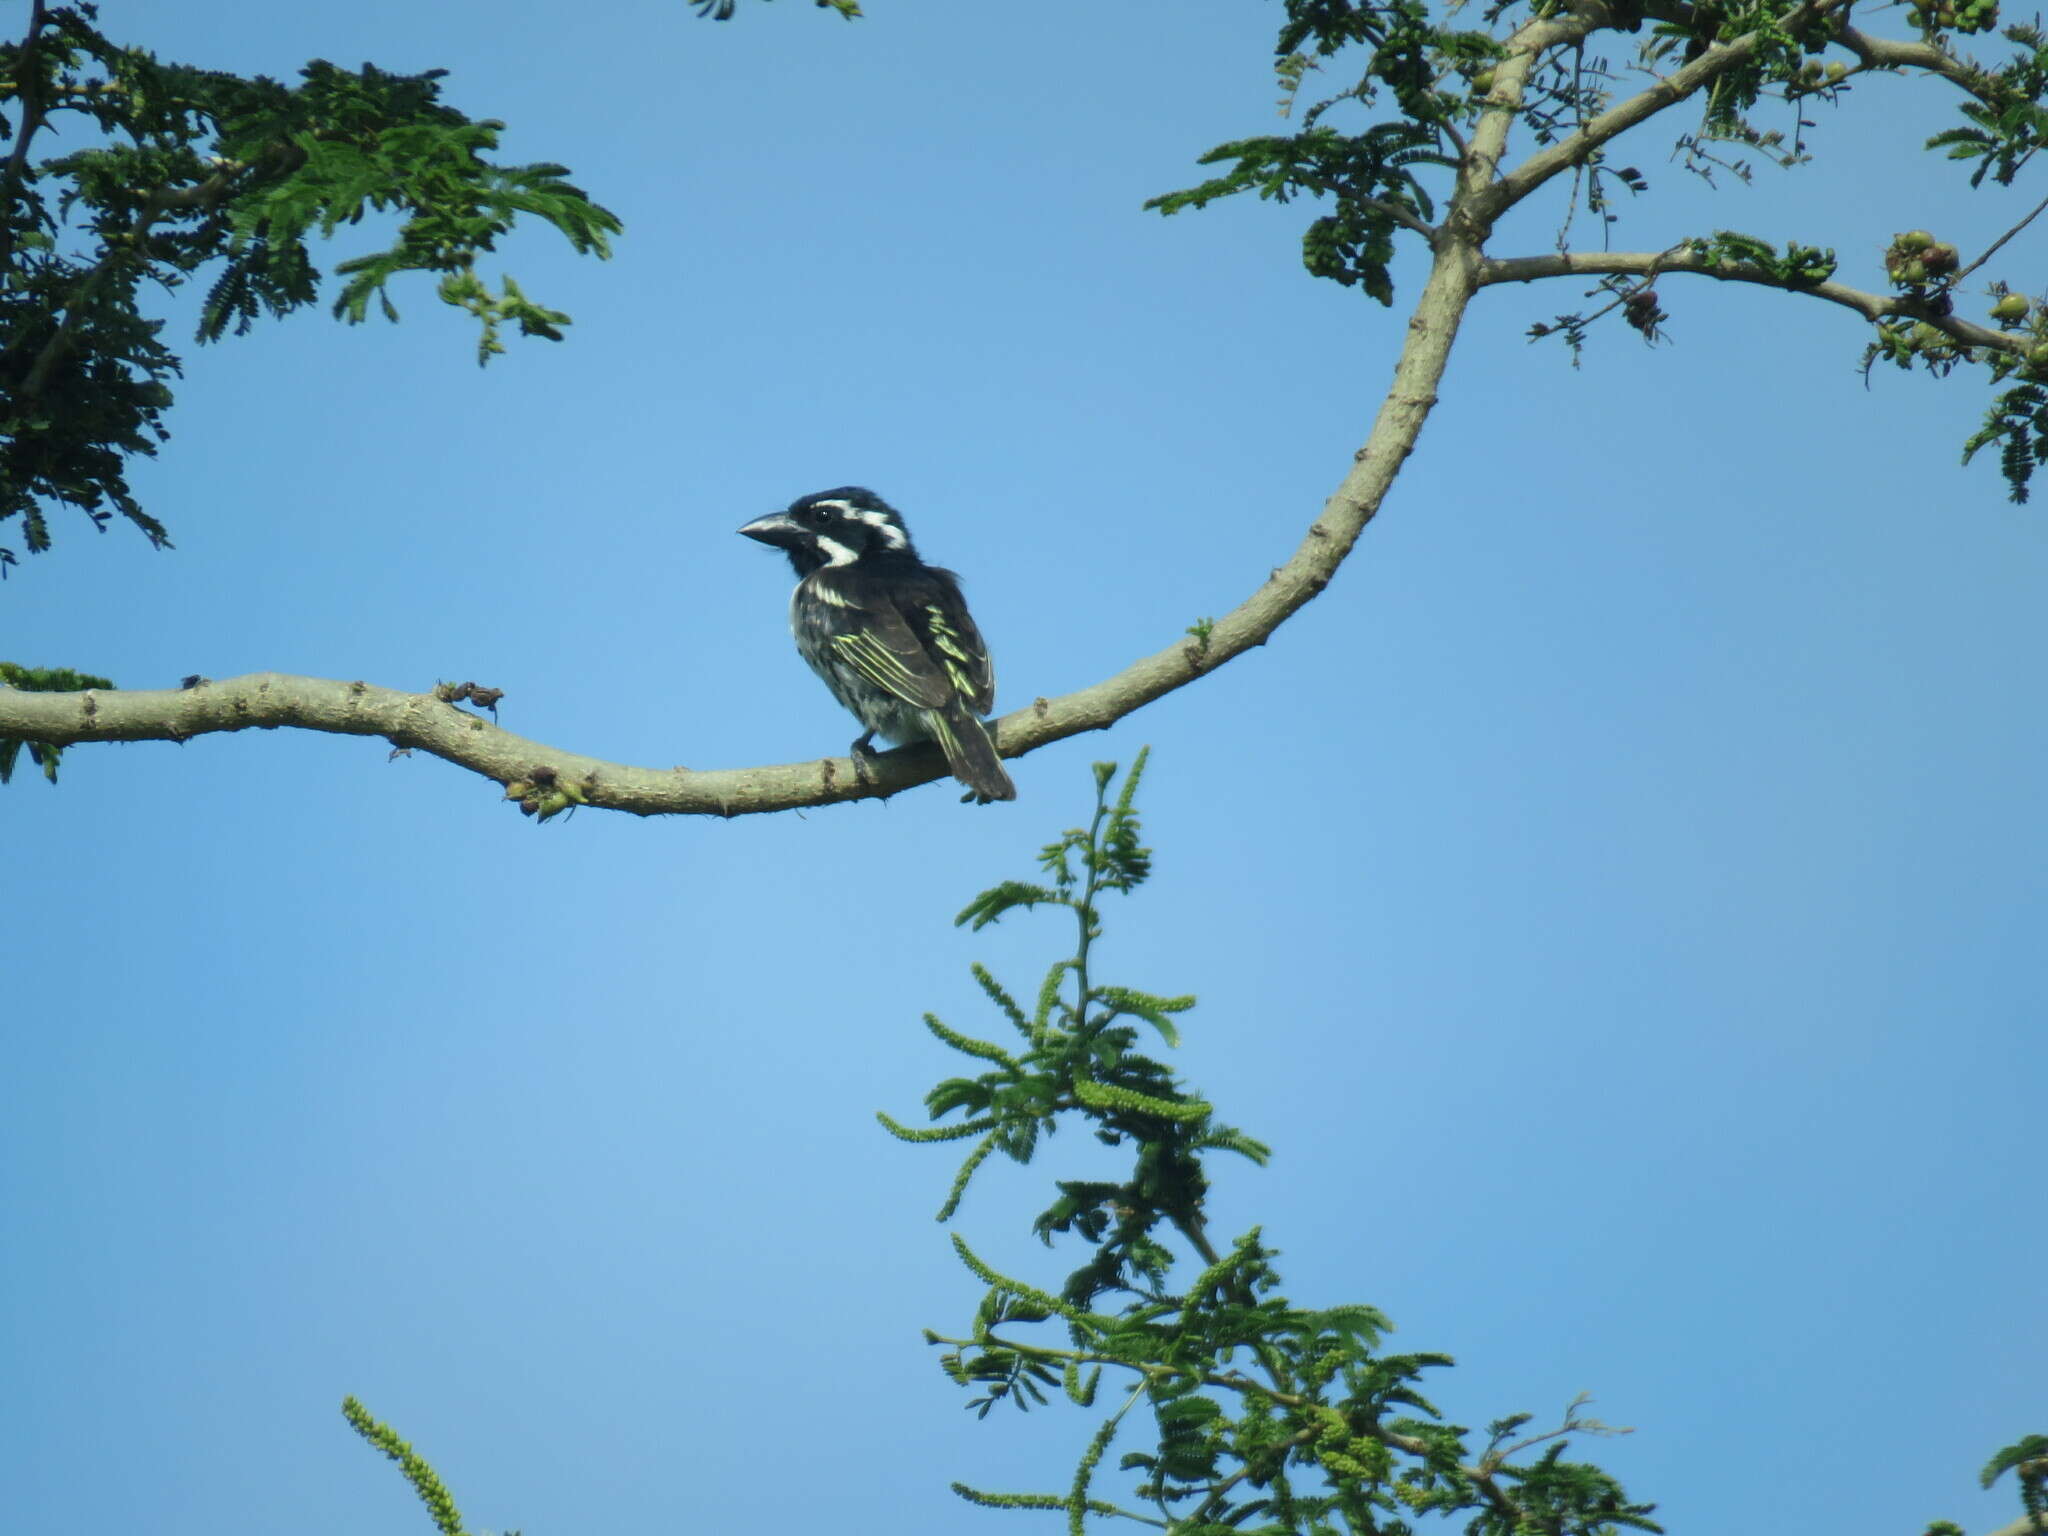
833	528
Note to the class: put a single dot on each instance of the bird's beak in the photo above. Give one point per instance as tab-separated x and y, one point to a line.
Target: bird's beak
777	528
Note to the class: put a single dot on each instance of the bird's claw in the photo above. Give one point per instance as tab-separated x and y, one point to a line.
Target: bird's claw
864	758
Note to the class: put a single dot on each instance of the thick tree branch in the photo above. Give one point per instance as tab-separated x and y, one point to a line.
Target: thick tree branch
425	723
1893	53
1459	269
1472	207
1871	306
1640	108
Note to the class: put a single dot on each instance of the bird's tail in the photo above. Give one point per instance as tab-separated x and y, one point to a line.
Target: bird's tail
971	753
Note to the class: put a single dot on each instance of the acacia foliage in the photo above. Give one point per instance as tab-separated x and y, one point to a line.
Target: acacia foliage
191	174
1243	1411
1402	88
1240	1412
1238	1409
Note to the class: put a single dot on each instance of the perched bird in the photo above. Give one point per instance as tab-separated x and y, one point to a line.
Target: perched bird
890	635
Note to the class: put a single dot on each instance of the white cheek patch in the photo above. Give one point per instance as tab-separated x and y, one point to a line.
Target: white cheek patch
835	552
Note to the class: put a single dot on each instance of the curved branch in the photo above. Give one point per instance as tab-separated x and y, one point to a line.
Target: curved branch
1502	106
1893	53
1871	306
426	723
1641	107
429	724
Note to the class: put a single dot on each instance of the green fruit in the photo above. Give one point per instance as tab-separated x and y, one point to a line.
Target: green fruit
1914	271
2011	306
1483	81
1836	71
1913	240
2038	354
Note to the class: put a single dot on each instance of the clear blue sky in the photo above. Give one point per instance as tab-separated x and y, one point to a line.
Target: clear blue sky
1619	898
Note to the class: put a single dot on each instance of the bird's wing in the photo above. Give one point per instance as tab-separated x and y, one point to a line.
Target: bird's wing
941	619
864	628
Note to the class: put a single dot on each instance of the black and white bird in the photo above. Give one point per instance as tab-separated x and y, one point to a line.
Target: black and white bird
890	635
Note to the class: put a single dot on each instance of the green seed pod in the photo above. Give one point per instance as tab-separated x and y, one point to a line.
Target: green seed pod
1913	240
2011	306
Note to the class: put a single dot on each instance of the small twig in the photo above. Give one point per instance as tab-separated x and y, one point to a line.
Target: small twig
1400	216
1640	108
1304	1437
1679	259
60	339
1992	249
1450	131
1498	1454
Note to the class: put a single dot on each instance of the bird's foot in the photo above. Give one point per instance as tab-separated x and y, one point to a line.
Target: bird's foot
864	756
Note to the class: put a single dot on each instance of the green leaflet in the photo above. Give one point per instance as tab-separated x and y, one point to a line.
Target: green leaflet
192	174
1264	1416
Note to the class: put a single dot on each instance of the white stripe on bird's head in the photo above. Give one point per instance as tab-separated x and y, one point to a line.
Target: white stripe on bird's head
886	524
893	536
